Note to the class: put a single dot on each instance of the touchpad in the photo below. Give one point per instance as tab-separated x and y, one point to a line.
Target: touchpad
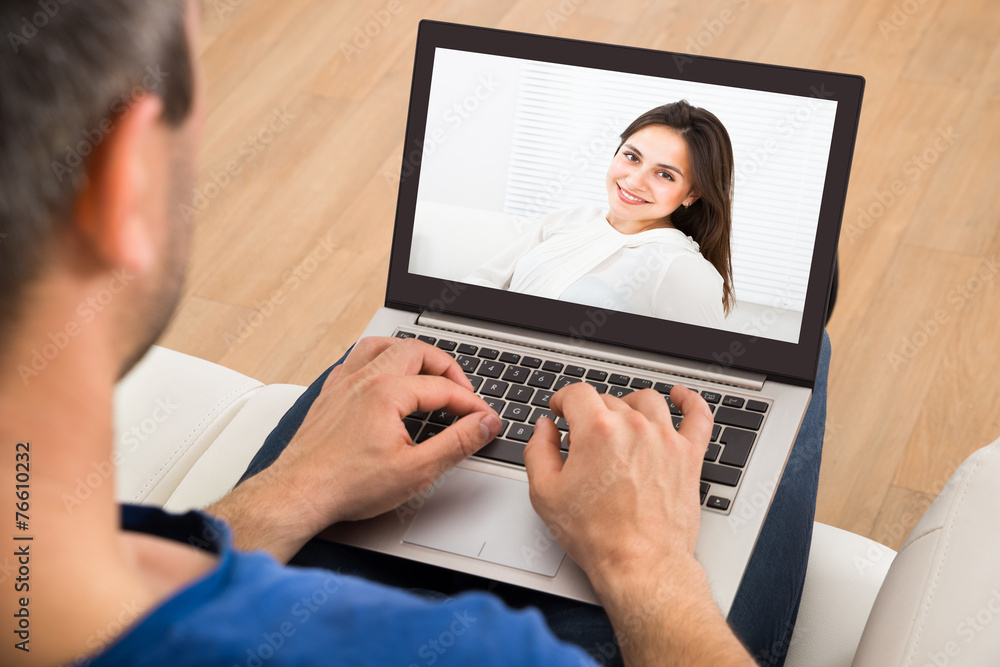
490	518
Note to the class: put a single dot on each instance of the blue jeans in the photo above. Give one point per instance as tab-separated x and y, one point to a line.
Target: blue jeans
767	602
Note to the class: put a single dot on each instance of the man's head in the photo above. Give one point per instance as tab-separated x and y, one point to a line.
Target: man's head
96	152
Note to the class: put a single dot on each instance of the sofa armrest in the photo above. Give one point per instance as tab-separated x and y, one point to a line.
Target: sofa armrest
940	603
217	471
843	578
168	411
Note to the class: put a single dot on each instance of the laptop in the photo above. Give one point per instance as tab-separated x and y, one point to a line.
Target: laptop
507	130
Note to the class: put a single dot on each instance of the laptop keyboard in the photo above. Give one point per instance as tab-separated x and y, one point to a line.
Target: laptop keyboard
518	384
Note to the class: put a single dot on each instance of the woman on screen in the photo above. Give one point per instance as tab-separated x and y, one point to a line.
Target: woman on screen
661	248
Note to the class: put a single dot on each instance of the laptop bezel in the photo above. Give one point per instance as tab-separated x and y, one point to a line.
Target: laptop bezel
795	363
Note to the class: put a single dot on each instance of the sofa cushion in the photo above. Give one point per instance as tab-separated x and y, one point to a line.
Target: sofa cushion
940	602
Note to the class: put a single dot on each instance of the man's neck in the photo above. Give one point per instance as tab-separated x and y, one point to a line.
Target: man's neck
82	572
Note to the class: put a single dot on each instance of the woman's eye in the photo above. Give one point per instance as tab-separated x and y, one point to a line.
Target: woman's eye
667	175
632	157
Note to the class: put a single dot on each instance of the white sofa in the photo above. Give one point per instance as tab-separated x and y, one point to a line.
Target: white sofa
187	429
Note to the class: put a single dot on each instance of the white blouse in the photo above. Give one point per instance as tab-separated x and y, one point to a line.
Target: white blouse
576	255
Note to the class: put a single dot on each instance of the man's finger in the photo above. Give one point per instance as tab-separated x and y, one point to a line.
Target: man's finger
413	357
428	393
575	401
650	403
542	459
541	454
457	442
697	423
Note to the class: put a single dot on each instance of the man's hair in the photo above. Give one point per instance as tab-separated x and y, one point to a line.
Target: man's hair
70	70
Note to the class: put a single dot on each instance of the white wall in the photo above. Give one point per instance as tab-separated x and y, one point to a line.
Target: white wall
470	128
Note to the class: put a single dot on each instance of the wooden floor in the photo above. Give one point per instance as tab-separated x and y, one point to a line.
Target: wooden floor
306	117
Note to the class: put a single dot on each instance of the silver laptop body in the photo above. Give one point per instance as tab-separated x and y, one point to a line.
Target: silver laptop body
522	105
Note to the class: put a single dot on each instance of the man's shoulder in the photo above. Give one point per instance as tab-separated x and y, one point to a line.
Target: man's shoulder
254	608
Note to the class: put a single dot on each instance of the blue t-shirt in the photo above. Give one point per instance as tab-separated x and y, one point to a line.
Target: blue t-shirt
251	611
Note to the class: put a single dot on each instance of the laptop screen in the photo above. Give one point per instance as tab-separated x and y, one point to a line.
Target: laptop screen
655	200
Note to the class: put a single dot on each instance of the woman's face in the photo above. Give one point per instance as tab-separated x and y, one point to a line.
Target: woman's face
648	179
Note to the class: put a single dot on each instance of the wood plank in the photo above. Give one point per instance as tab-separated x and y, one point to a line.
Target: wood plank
880	382
963	215
962	413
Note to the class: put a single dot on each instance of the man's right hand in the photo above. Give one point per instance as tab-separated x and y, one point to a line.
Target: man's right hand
625	506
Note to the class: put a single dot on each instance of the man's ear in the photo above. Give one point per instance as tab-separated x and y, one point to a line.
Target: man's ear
120	208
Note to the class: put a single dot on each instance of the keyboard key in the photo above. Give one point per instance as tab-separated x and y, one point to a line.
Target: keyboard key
552	367
475	380
663	387
520	393
488	353
713	472
412	427
738	444
597	376
541	379
733	401
717	503
518	374
620	391
491	369
677	421
564	381
510	357
756	406
575	371
517	412
427	339
416	414
716	430
494	388
712	452
465	348
711	396
539	413
733	417
521	432
640	383
430	430
674	410
541	398
599	386
447	345
496	404
503	450
405	334
705	486
531	362
468	364
619	379
442	417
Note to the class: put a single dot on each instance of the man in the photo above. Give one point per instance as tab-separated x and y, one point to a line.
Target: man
100	117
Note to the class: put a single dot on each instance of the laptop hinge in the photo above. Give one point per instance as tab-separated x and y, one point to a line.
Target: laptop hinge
615	354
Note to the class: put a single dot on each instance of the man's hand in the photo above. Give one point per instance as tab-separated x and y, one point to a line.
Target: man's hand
628	492
625	506
352	457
